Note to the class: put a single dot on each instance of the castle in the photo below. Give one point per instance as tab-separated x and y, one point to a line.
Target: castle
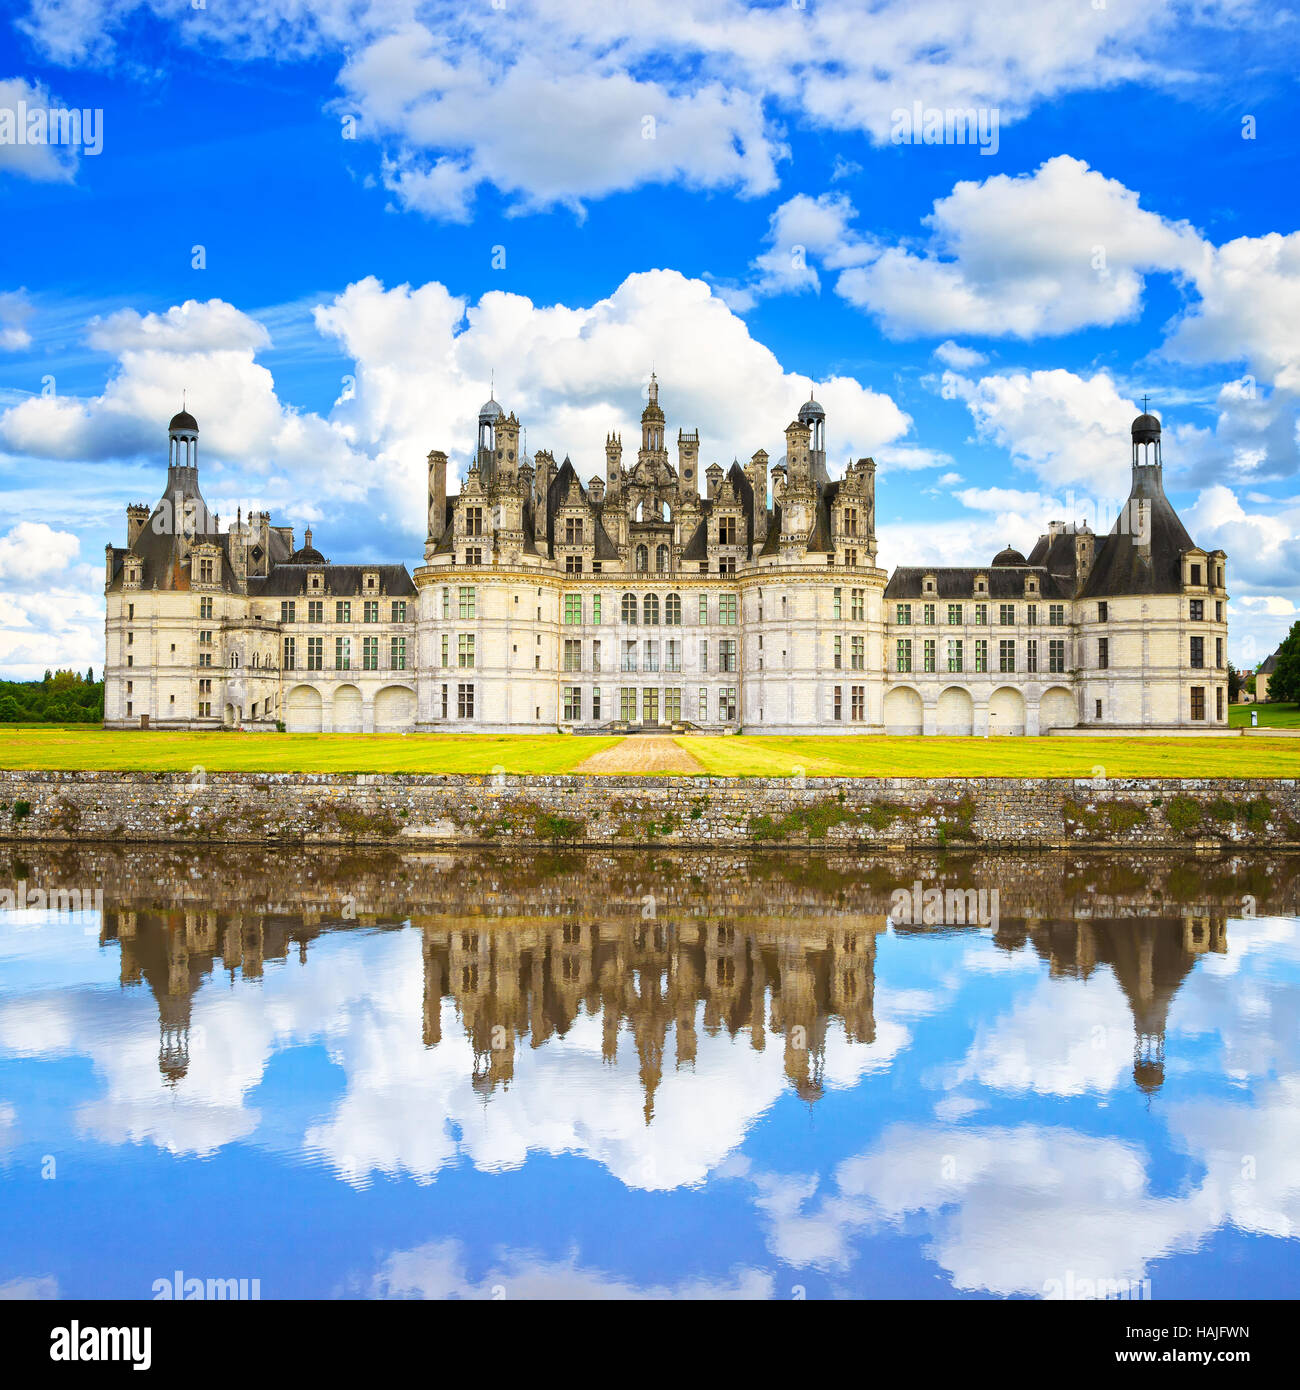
633	601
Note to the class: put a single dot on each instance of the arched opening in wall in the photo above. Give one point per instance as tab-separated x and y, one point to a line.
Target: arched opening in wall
666	512
347	710
395	708
1057	709
231	717
642	559
661	558
1006	711
955	712
640	511
903	712
302	710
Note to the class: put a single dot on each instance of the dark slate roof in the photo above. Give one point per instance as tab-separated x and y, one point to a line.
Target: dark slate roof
772	541
1004	582
341	581
566	489
1058	554
1269	665
1126	565
820	539
164	552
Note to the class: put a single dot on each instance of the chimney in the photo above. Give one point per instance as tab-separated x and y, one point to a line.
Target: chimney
137	515
713	476
596	489
437	495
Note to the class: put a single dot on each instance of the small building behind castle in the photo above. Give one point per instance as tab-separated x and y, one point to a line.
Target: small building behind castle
634	600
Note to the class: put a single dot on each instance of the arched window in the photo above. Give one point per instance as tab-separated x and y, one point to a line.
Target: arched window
661	558
640	511
629	609
642	559
650	609
673	610
667	512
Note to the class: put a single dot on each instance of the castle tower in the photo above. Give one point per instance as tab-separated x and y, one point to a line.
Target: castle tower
653	449
613	463
688	458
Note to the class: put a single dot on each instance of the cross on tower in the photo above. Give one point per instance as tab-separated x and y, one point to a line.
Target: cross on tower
1144	404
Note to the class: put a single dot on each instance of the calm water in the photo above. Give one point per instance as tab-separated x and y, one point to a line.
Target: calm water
469	1075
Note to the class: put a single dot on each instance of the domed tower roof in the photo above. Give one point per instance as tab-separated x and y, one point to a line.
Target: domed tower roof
183	420
1009	556
1146	429
307	554
810	411
489	410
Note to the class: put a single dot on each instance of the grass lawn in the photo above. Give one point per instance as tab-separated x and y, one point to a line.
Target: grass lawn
744	756
47	747
1270	716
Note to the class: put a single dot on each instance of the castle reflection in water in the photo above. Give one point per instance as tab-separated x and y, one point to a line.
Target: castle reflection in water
775	950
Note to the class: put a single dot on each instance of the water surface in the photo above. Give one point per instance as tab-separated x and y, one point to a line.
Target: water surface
617	1074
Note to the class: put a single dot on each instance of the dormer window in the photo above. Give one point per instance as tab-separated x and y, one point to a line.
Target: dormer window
316	583
929	584
371	582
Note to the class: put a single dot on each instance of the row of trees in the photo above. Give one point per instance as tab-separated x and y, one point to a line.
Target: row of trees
63	697
1284	683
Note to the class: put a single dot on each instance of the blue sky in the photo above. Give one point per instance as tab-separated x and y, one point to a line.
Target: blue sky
394	201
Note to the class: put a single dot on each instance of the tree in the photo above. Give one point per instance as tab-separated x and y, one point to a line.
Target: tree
1234	683
1284	683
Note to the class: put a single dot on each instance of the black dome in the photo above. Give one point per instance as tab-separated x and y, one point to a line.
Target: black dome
1146	429
183	420
1009	556
307	554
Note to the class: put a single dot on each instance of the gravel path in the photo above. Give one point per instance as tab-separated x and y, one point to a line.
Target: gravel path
641	753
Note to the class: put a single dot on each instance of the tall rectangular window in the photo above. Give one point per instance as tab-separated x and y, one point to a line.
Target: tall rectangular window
673	705
1007	614
927	614
342	611
702	705
858	655
1031	655
628	662
649	705
397	654
572	654
837	600
651	655
572	703
286	610
837	652
1056	615
572	610
903	614
704	608
467	604
343	653
1198	702
627	705
315	653
399	610
1103	653
315	610
927	655
858	707
465	649
370	653
465	701
727	610
673	654
1198	651
446	649
858	612
595	608
727	704
727	654
954	615
1056	655
904	658
289	651
981	654
1006	656
981	613
371	613
954	654
837	711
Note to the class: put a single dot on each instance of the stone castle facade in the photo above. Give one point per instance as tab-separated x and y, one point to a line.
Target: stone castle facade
633	601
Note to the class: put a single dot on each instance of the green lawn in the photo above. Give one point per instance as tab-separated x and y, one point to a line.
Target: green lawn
821	756
1270	716
72	748
46	747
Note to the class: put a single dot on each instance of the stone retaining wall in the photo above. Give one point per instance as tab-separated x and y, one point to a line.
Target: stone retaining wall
399	810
